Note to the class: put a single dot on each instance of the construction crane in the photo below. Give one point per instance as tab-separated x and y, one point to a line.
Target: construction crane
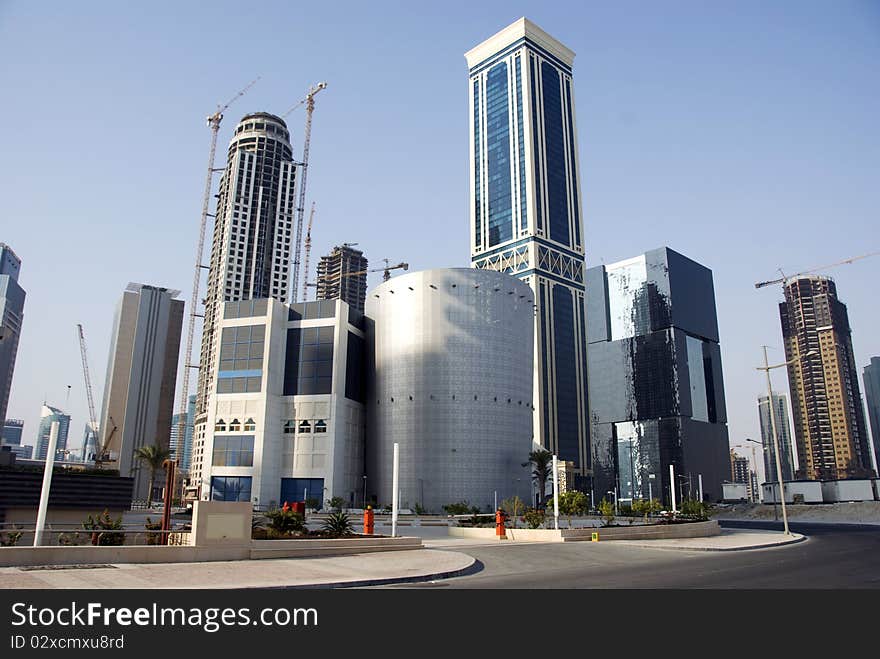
100	448
386	270
214	124
309	101
786	278
308	253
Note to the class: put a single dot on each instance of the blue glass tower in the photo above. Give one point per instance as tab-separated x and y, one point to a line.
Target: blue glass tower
525	214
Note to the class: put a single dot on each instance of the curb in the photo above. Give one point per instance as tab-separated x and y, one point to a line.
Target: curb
768	545
471	568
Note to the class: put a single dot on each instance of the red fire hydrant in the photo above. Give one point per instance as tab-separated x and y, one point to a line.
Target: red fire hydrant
500	517
369	516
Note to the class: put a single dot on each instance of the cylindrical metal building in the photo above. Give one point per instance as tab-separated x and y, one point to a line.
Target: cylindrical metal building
450	379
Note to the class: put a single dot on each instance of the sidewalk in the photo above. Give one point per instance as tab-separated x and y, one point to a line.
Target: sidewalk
442	558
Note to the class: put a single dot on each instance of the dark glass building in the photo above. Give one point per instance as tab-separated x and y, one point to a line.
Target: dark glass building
11	317
525	215
871	375
656	385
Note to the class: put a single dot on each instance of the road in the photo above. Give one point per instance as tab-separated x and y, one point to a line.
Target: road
834	556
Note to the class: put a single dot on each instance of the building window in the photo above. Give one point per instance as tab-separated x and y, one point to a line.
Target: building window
249	425
220	426
230	488
233	451
289	427
235	426
305	427
320	426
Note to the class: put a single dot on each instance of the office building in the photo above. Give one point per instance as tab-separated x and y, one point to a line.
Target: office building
783	434
11	437
525	217
742	472
251	249
182	450
656	383
342	275
89	450
141	377
11	317
871	376
287	415
829	421
450	381
48	415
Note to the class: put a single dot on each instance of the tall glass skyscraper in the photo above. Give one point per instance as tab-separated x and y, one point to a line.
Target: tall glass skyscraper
871	376
783	435
525	215
11	317
251	248
49	415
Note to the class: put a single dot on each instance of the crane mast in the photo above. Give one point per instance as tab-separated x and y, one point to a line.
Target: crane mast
89	396
214	124
309	100
308	252
786	278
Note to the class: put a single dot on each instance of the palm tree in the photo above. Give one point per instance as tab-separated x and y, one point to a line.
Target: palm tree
154	457
542	459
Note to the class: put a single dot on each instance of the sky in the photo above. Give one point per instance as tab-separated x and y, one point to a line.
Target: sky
740	134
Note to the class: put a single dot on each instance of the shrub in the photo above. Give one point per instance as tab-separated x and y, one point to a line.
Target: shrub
338	524
626	510
420	510
571	503
606	509
698	510
460	508
10	538
533	518
153	538
103	527
314	504
336	503
283	522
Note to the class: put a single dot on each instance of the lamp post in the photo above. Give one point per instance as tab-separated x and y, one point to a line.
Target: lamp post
650	488
755	463
365	492
767	368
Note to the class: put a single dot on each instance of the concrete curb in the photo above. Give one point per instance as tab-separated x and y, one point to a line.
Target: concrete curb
767	545
473	567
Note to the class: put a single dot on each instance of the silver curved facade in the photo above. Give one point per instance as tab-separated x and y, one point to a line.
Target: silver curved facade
450	380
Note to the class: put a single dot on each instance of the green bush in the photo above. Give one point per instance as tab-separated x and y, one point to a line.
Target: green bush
606	510
103	527
626	510
698	510
336	503
419	510
338	524
284	523
533	518
573	502
153	538
312	503
460	508
11	537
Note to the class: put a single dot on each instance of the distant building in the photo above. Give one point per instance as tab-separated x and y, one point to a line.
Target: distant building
12	432
783	435
48	415
656	383
286	418
182	450
11	317
141	375
742	472
336	281
871	377
829	420
90	442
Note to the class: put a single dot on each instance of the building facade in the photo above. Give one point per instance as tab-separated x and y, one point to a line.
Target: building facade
742	472
48	415
181	450
141	377
11	437
871	376
783	434
656	383
251	247
450	381
287	412
11	318
525	217
336	281
829	421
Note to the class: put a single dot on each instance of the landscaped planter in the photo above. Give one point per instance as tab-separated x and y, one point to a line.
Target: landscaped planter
639	532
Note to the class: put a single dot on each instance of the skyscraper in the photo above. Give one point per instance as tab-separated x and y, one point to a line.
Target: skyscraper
335	281
11	316
181	450
871	376
49	415
741	472
251	249
829	421
656	384
141	376
783	435
525	216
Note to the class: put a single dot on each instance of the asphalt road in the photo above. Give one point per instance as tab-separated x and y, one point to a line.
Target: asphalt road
834	556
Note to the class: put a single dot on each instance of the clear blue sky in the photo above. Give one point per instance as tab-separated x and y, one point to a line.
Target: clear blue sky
741	134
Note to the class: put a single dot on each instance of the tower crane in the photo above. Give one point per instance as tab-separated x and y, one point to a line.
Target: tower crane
100	447
786	278
214	124
308	252
309	101
386	271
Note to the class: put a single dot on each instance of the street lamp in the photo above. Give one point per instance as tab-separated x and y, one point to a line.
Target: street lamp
650	488
755	463
365	492
767	368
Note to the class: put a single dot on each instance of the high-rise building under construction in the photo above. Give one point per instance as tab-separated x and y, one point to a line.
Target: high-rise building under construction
829	421
251	248
342	275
